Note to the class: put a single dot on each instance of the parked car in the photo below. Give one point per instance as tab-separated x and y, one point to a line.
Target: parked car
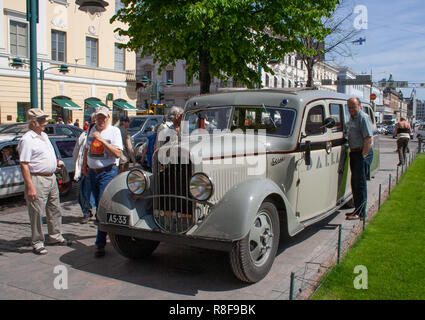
11	180
224	193
140	128
51	129
390	130
142	123
420	132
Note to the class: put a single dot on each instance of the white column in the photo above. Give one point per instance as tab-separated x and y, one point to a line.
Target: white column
42	35
2	29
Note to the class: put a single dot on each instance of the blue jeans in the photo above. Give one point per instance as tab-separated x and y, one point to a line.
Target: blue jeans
86	196
358	166
99	181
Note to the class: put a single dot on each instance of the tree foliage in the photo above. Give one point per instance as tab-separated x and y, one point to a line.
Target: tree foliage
221	38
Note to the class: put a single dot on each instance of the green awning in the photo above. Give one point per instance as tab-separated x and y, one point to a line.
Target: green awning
124	105
96	104
67	104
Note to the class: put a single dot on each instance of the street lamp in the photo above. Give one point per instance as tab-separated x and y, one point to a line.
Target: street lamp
18	63
92	6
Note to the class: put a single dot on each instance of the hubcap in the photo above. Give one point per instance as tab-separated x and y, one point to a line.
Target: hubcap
261	239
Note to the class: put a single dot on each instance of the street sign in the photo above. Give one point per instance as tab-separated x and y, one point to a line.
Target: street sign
393	84
372	97
364	79
326	82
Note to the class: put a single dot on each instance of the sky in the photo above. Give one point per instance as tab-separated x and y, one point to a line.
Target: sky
395	42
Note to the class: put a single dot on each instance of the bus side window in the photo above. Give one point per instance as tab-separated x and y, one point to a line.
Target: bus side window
336	112
369	112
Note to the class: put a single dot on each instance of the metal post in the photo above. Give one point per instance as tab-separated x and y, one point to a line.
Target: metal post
379	203
364	215
261	78
397	176
41	85
389	185
32	18
291	288
339	242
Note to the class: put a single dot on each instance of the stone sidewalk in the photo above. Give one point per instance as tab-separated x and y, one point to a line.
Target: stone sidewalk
172	272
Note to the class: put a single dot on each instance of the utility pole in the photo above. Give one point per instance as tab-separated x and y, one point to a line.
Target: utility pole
32	18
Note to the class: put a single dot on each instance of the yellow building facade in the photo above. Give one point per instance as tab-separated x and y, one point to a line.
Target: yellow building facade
100	73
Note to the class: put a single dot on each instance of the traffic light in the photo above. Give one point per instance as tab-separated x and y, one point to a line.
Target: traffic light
161	96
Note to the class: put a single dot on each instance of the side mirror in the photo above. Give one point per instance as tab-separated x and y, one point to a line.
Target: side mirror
329	123
307	153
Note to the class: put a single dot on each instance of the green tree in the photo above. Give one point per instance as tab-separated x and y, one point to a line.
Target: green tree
340	34
221	38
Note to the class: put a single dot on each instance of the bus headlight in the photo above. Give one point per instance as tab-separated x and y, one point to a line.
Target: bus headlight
137	181
201	187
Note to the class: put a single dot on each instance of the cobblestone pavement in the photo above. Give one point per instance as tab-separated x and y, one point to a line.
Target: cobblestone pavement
172	272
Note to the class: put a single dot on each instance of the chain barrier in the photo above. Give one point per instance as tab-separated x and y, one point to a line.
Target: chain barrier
305	280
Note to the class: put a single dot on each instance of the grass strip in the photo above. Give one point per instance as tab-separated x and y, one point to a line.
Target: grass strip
391	248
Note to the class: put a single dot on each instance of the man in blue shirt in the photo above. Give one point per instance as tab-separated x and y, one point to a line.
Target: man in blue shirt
360	133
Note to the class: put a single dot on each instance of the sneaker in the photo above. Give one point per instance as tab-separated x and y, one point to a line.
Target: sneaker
100	252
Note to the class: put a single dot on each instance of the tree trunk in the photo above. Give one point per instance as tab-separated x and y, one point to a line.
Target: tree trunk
204	71
309	67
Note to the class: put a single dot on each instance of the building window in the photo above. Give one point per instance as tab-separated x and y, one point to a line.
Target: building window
91	52
119	58
170	76
58	46
283	83
23	107
118	5
267	81
148	74
18	39
275	82
289	84
289	60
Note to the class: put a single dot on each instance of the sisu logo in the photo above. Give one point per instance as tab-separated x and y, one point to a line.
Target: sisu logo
276	161
324	160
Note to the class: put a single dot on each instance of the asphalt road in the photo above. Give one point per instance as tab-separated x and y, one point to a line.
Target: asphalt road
172	272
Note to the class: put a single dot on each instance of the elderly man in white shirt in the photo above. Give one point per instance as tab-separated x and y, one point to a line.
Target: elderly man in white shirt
100	163
38	164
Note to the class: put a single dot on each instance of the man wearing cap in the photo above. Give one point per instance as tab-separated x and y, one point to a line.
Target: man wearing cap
101	160
127	154
38	164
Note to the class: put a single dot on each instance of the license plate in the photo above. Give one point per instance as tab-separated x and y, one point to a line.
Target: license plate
117	219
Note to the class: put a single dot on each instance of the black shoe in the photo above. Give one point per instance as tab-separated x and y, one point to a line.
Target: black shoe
100	252
84	220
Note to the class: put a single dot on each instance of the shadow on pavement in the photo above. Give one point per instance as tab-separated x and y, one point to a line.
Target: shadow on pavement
171	268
